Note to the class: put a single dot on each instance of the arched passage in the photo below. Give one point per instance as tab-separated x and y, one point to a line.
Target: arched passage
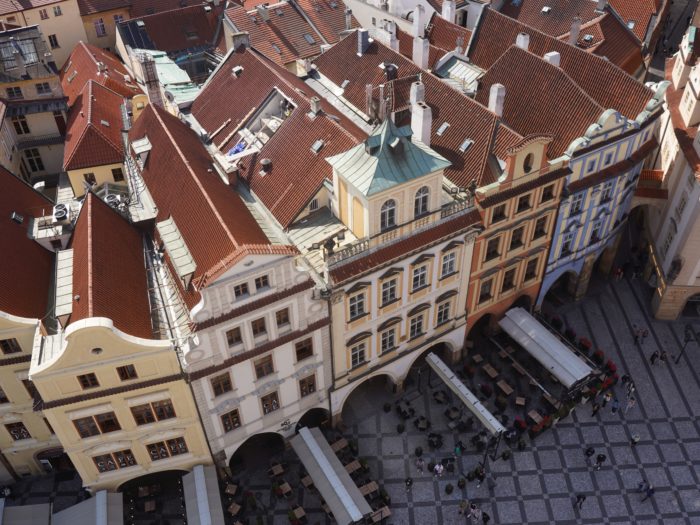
480	328
419	371
256	452
692	306
315	417
364	399
54	460
561	290
524	301
154	498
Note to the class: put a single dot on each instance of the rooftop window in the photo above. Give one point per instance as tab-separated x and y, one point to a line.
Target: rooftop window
443	127
464	146
309	39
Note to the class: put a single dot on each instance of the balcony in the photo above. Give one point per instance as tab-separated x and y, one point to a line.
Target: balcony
35	141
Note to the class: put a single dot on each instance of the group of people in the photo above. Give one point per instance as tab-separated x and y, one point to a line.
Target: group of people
473	513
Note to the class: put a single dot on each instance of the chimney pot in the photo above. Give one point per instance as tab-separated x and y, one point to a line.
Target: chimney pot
417	92
348	19
263	12
553	57
362	41
575	31
497	96
523	41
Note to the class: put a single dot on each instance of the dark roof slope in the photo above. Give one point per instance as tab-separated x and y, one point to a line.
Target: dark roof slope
328	16
91	7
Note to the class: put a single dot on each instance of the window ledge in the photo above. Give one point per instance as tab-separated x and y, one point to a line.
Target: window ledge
448	275
416	290
389	303
358	317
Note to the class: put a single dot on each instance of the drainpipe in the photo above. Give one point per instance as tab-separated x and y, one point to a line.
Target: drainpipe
330	330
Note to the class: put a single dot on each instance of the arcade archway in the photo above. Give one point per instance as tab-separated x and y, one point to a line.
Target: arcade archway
256	451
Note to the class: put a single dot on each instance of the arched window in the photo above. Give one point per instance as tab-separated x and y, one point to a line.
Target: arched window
527	164
388	215
420	204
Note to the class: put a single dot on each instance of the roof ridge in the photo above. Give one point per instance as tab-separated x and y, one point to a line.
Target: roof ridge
88	202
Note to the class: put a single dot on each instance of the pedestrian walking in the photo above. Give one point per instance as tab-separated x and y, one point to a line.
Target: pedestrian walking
642	486
663	357
420	464
615	406
409	484
438	469
463	505
649	492
474	513
589	452
599	460
654	357
635	439
645	334
485	517
458	449
631	388
635	333
606	398
630	404
625	378
480	476
580	498
596	407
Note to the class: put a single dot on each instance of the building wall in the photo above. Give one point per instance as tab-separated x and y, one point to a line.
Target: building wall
102	174
108	40
94	346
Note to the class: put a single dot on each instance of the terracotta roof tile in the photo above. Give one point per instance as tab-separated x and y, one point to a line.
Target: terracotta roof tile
444	34
607	84
652	193
282	37
420	241
94	135
90	7
27	267
282	191
555	22
109	274
172	31
214	222
651	176
638	11
328	16
83	65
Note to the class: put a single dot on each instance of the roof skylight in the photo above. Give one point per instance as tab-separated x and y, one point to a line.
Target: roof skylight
443	127
464	146
309	38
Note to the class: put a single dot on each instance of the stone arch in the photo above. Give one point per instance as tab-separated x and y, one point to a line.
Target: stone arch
566	278
256	451
389	376
314	417
153	478
524	301
54	459
479	325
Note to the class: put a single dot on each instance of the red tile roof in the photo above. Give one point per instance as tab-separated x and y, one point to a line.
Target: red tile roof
654	176
444	34
328	16
27	267
141	8
90	7
94	135
281	38
109	275
373	261
84	64
530	83
282	191
638	11
557	21
216	225
607	84
13	6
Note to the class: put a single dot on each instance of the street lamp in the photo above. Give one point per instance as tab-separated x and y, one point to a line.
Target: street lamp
688	337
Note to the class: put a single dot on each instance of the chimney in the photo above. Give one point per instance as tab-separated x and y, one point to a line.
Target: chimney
448	10
419	21
553	58
421	122
497	96
602	4
459	47
421	51
362	41
575	31
390	29
522	41
315	105
348	19
417	92
241	39
263	12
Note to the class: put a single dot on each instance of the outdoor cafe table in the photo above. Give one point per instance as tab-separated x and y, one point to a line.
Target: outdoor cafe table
440	396
339	445
307	481
234	508
368	488
422	423
491	371
276	470
477	358
285	488
452	413
380	514
535	416
404	408
299	512
353	466
231	489
505	387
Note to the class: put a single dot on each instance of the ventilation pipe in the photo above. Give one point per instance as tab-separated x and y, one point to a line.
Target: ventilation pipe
421	114
421	52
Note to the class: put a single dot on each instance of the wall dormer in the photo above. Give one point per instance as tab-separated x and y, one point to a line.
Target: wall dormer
689	107
527	157
684	60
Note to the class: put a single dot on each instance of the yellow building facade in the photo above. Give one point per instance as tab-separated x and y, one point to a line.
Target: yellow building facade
101	28
98	175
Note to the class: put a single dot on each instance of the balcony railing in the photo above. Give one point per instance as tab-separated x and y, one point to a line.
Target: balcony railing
36	141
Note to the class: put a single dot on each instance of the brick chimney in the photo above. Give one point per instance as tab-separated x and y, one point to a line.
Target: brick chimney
448	10
575	31
419	21
553	58
362	41
497	97
421	114
522	41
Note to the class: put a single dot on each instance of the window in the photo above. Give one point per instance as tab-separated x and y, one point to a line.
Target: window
357	306
43	14
485	291
606	192
448	264
388	340
117	175
441	130
415	327
14	92
240	290
263	367
163	409
307	385
18	431
90	178
117	460
259	327
100	29
388	215
57	11
221	384
151	412
9	346
3	397
358	355
591	166
595	232
528	162
567	243
420	278
492	248
88	381
270	402
523	203
53	42
608	159
34	159
86	427
234	337
143	414
443	313
389	289
508	280
118	19
309	39
20	124
166	449
313	205
499	213
107	422
531	269
516	238
547	193
127	372
43	88
262	282
420	204
576	204
94	425
681	206
282	317
304	349
231	420
540	228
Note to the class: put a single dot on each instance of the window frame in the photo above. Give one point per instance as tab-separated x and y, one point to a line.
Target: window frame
490	255
547	193
527	276
416	326
513	273
88	381
443	312
386	336
262	282
286	319
241	291
308	380
127	372
355	350
221	384
357	304
519	243
304	349
255	326
232	341
263	366
576	206
419	278
451	259
274	402
389	286
387	215
500	216
234	420
538	233
10	346
528	205
421	202
485	297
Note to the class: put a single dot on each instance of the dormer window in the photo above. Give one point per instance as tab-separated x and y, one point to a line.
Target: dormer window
528	162
388	215
420	204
